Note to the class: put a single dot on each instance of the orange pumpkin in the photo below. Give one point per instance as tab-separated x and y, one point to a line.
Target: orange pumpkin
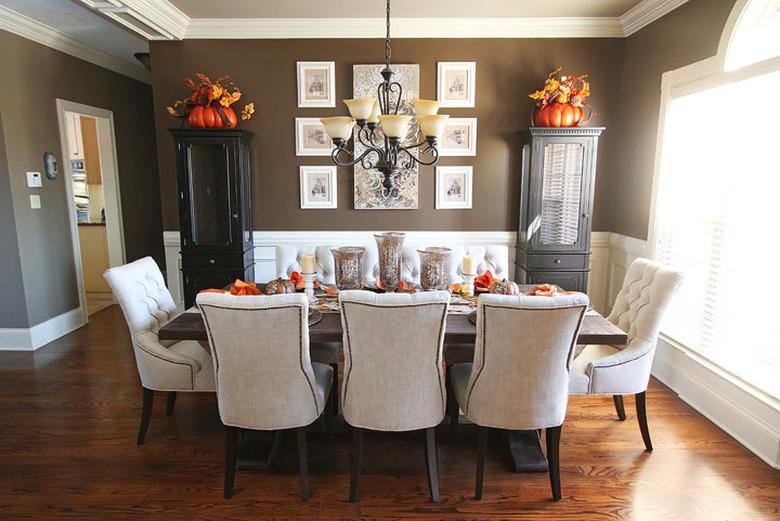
204	116
558	115
228	117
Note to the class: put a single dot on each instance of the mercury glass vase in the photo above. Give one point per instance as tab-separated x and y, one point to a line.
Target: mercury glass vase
390	246
434	268
349	261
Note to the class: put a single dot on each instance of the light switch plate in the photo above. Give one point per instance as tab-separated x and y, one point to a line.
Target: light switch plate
34	180
35	202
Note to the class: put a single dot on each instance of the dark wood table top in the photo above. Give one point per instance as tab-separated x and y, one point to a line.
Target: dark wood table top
595	330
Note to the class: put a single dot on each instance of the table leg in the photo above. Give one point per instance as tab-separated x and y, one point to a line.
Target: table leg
526	450
254	451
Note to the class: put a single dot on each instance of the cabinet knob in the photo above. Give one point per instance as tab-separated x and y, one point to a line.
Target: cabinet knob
557	261
235	216
212	261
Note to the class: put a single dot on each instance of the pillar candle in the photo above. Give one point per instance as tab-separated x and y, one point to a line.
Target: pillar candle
308	261
469	265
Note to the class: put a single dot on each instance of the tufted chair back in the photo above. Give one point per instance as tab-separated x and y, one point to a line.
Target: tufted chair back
522	360
393	373
492	257
140	289
260	348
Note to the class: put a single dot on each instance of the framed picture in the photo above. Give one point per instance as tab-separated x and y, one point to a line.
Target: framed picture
311	138
459	137
456	83
318	187
453	187
316	84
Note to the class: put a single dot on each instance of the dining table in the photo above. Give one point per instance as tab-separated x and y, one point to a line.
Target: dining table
524	446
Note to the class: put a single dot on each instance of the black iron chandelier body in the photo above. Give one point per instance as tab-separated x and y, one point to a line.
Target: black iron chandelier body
387	154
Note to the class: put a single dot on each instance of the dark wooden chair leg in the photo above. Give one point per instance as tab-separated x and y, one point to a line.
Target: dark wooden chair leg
171	403
453	409
482	442
641	414
619	407
432	463
303	465
334	392
357	456
553	460
146	413
328	418
269	462
231	458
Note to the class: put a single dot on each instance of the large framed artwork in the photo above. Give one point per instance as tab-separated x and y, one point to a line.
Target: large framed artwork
459	137
454	186
316	84
368	183
318	187
311	138
456	83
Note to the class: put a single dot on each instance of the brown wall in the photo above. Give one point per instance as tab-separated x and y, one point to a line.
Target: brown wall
507	70
689	34
34	76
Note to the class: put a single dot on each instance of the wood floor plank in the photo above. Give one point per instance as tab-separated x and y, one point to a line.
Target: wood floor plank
69	416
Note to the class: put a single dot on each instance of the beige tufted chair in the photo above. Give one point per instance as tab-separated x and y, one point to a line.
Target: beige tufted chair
265	378
639	307
519	379
163	366
393	374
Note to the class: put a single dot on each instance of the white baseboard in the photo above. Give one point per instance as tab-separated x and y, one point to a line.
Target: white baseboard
30	339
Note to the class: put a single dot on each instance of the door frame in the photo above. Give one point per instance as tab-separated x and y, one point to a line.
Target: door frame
109	170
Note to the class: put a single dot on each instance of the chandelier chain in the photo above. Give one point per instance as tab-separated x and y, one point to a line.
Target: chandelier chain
388	52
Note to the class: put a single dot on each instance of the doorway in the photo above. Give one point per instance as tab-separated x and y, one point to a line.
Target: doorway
89	158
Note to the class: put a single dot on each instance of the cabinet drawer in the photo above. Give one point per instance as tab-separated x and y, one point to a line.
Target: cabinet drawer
568	280
205	261
557	262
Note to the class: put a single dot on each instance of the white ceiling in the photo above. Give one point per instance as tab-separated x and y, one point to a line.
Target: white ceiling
401	8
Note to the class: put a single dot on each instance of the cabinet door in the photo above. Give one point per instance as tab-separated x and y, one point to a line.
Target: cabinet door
210	198
559	205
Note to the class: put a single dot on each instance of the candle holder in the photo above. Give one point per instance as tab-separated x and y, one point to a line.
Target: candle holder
468	285
308	287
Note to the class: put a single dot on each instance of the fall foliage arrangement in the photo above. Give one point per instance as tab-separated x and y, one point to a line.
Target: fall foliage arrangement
209	103
561	102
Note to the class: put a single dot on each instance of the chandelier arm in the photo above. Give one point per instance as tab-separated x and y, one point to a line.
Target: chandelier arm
392	87
334	156
365	137
413	159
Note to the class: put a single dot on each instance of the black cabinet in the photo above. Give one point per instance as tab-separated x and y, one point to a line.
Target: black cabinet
556	204
213	168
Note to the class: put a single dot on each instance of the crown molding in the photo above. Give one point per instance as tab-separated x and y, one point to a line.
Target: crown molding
542	27
26	27
647	12
150	19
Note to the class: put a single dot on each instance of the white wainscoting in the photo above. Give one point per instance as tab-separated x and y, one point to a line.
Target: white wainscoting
30	339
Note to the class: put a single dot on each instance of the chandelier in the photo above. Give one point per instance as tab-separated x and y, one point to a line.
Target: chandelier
382	131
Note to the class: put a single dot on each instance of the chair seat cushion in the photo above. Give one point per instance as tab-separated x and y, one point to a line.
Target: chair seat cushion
580	378
325	352
458	353
323	378
459	378
193	350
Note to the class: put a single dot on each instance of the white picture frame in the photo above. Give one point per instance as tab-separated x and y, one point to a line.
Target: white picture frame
311	138
316	84
319	187
459	137
456	84
454	187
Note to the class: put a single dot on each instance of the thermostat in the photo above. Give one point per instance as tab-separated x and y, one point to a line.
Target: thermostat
34	180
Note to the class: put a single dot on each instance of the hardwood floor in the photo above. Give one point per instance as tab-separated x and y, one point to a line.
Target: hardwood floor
69	416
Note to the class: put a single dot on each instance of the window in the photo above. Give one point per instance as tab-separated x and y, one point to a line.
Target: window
717	219
756	36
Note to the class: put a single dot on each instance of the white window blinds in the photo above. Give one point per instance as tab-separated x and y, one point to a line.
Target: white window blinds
718	220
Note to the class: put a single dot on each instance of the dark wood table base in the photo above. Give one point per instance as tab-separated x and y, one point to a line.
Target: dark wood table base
526	450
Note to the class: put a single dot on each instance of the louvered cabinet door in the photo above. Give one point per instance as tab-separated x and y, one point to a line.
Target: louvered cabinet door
559	203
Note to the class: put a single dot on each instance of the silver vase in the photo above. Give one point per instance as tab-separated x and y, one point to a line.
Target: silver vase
349	271
434	268
390	246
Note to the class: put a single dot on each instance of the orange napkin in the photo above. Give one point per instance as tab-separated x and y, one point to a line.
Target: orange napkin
545	290
299	281
483	282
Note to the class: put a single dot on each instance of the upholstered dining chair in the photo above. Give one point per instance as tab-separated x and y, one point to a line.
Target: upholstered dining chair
393	375
639	307
165	366
519	379
263	371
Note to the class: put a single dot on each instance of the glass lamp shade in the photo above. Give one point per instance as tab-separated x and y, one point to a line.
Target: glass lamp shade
338	127
395	125
425	107
432	125
374	117
360	108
